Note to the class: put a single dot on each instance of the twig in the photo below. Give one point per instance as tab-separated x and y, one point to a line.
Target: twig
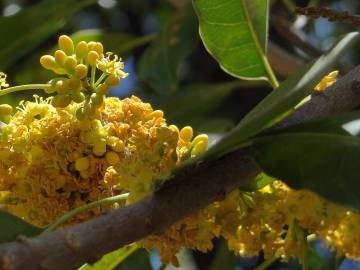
331	15
185	194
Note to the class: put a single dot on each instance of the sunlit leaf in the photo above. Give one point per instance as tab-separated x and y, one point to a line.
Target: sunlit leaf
235	33
111	260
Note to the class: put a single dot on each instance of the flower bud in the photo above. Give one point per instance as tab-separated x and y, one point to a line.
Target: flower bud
82	164
99	148
199	148
92	57
81	49
61	101
61	86
98	47
5	109
199	138
60	57
70	64
78	97
66	44
81	71
48	62
186	133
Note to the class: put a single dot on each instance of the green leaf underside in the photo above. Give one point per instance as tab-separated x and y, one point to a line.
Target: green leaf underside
327	164
111	260
28	28
159	65
11	227
235	33
322	156
276	105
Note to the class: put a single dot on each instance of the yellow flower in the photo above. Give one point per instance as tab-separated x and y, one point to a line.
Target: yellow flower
111	65
3	80
327	81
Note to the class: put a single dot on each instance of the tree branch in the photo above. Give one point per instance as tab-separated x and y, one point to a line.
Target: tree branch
331	15
185	194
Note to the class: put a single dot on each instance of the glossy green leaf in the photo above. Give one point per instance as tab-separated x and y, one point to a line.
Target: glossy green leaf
323	157
111	260
160	63
235	34
11	227
276	105
31	26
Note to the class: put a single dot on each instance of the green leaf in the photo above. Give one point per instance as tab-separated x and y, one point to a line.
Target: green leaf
31	26
323	156
11	227
235	34
159	65
139	260
111	260
281	101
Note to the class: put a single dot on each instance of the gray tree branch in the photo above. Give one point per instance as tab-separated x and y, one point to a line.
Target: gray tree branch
185	194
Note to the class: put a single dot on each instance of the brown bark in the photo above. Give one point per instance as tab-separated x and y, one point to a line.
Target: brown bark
189	191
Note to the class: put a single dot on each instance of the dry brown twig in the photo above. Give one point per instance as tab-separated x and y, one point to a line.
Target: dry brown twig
185	194
331	15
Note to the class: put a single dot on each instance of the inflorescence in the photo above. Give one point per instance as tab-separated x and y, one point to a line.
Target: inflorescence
79	146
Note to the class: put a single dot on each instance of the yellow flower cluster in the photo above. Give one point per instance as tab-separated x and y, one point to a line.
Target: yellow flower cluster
78	146
275	220
79	65
52	162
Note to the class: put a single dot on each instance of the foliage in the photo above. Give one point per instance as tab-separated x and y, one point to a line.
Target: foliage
217	88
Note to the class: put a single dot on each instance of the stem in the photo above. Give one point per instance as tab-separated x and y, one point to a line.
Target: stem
272	78
84	208
100	79
266	263
92	78
24	87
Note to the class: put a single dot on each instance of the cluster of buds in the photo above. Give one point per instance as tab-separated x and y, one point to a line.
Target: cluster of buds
79	66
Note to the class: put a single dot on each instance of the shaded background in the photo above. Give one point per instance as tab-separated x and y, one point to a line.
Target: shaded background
169	67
